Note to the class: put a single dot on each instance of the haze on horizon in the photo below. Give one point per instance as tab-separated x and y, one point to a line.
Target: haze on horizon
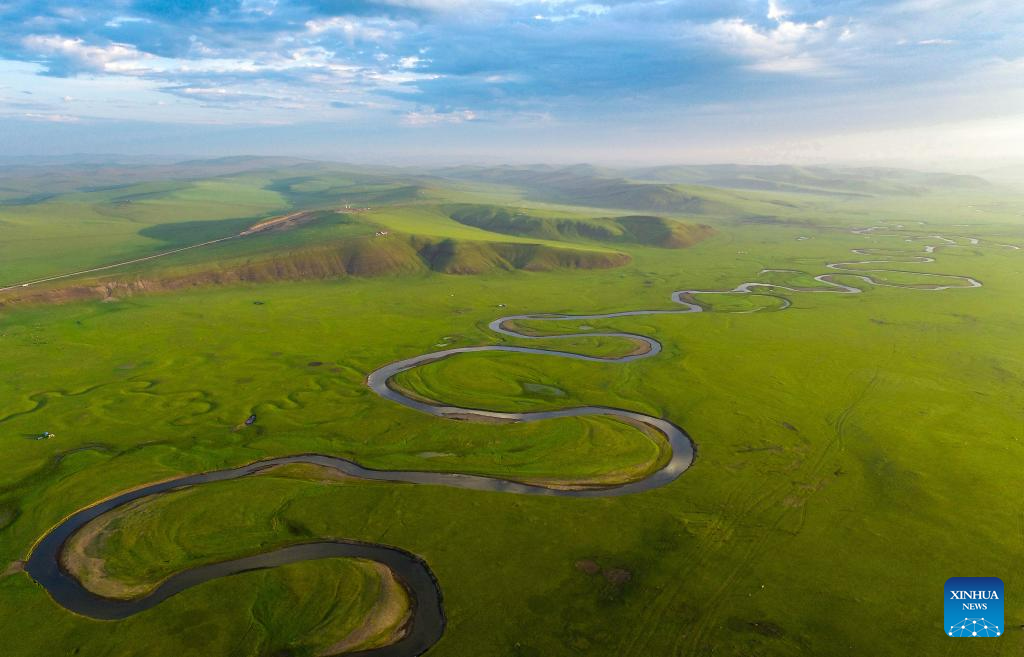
912	82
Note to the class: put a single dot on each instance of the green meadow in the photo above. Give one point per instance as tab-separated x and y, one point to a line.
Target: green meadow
853	451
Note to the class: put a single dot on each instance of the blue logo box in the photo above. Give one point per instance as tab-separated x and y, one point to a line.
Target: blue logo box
974	607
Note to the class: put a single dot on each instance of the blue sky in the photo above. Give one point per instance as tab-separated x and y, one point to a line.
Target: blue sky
561	80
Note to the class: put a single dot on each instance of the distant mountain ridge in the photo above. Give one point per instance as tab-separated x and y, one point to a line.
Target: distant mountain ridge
859	181
688	189
586	185
672	188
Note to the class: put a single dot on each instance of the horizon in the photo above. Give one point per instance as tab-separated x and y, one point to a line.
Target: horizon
1009	172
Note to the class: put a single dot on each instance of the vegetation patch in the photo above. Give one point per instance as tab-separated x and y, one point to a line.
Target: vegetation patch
385	255
635	229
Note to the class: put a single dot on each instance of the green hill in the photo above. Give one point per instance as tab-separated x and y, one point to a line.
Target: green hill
636	229
584	185
363	256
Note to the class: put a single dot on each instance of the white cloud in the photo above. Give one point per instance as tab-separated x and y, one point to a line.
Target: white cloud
51	118
786	48
432	117
208	91
353	29
114	58
395	79
445	6
265	7
70	13
775	11
118	21
587	10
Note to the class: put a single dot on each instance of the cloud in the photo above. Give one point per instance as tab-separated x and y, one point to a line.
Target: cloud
215	95
66	56
433	117
775	11
51	118
787	46
118	21
353	29
576	11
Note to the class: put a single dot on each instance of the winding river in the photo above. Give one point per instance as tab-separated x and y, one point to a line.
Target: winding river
427	621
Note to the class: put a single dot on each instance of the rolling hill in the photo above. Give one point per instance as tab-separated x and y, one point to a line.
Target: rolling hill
587	186
635	229
852	181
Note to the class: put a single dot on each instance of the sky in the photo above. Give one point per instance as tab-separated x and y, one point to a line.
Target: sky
923	82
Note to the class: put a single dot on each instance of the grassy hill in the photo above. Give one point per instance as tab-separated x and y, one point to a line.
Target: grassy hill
364	257
323	244
60	219
636	229
438	221
698	189
587	186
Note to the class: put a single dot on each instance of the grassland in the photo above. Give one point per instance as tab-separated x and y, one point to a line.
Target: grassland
75	231
835	438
